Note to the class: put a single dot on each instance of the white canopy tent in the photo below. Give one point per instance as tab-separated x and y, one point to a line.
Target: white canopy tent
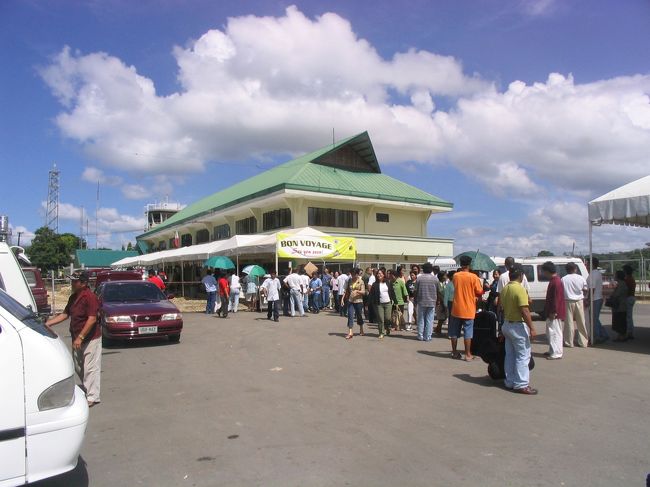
627	205
232	247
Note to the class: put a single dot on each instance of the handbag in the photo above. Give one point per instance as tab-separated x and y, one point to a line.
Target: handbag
611	302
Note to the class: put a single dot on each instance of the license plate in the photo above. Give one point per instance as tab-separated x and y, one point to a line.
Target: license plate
145	330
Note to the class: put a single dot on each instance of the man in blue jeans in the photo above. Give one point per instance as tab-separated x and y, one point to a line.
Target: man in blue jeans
294	283
425	295
210	284
517	330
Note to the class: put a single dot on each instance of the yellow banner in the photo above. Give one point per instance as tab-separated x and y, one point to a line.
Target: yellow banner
318	248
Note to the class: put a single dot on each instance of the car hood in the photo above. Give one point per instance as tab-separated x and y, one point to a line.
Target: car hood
139	308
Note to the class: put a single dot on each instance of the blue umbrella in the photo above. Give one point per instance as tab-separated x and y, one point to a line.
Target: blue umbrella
219	262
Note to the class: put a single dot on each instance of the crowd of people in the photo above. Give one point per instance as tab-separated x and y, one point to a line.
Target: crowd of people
427	298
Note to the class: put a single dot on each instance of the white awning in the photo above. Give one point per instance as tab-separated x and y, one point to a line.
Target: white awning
627	205
237	245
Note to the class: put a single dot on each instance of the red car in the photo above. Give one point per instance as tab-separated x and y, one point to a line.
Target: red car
137	310
105	276
37	285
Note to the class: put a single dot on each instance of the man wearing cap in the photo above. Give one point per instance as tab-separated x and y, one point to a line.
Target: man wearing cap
82	309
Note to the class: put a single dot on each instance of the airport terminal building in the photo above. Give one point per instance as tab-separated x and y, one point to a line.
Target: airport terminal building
338	190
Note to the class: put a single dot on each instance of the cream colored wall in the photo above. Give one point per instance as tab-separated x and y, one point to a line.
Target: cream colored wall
402	222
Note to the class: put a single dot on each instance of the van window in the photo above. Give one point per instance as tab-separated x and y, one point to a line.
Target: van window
25	315
528	270
561	272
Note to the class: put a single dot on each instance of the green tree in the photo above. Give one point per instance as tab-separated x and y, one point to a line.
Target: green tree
72	242
545	253
129	246
49	251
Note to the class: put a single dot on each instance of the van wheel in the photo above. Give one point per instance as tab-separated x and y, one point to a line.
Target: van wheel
174	338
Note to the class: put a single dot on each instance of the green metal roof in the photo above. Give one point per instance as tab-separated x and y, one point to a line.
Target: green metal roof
307	173
100	258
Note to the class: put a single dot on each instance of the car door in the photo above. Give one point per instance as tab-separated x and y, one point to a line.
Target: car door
12	406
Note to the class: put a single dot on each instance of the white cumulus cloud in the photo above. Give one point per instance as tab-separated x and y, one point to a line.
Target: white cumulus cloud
274	85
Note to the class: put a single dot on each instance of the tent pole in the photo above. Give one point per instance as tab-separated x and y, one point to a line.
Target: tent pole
182	279
591	292
276	259
237	263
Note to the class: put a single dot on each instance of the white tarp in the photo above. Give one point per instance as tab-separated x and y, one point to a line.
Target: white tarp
627	205
237	245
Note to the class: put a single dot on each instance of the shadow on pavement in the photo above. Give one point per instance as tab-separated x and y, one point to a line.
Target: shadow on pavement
446	355
74	478
485	380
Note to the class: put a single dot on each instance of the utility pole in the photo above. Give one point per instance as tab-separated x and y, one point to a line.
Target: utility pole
52	213
19	234
81	230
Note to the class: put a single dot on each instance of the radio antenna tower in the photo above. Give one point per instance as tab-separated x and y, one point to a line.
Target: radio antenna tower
52	215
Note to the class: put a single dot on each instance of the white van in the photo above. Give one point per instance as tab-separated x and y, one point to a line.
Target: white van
538	284
12	279
43	414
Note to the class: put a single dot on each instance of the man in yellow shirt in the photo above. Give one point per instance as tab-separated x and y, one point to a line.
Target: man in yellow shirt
517	330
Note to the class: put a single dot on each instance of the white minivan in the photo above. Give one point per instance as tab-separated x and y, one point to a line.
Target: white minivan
43	414
538	284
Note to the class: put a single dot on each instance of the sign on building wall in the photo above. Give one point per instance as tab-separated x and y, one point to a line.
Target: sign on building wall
321	248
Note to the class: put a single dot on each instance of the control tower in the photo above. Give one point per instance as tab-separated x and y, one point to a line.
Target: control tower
156	213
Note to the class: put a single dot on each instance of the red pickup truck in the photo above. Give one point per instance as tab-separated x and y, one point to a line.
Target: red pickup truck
37	286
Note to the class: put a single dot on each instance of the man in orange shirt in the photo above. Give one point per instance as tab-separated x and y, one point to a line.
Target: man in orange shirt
467	288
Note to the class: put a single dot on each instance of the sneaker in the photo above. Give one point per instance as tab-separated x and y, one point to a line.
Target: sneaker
381	337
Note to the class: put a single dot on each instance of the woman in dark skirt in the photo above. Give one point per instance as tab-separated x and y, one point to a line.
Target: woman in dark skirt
619	307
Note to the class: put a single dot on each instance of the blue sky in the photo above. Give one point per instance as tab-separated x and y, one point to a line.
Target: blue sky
518	112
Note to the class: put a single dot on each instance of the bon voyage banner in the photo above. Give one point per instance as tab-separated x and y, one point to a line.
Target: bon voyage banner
317	247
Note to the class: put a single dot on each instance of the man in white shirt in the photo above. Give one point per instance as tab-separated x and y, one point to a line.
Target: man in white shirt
574	288
504	278
595	283
304	281
294	283
235	289
343	286
271	289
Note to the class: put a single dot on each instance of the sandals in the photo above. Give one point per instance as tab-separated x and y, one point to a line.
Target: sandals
349	337
456	355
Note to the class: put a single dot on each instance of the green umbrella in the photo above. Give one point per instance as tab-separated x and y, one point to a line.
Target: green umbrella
480	262
254	270
219	262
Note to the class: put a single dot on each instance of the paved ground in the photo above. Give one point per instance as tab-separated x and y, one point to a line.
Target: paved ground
244	402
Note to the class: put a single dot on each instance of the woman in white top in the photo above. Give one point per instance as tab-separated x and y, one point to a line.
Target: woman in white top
235	289
382	298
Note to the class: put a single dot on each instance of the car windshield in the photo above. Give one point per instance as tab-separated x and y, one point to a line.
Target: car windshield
124	292
25	315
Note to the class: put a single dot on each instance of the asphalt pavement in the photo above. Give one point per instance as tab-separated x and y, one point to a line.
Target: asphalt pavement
246	402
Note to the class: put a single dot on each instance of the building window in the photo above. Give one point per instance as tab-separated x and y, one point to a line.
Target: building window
162	245
276	219
383	217
246	226
221	232
171	243
202	236
186	240
329	217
